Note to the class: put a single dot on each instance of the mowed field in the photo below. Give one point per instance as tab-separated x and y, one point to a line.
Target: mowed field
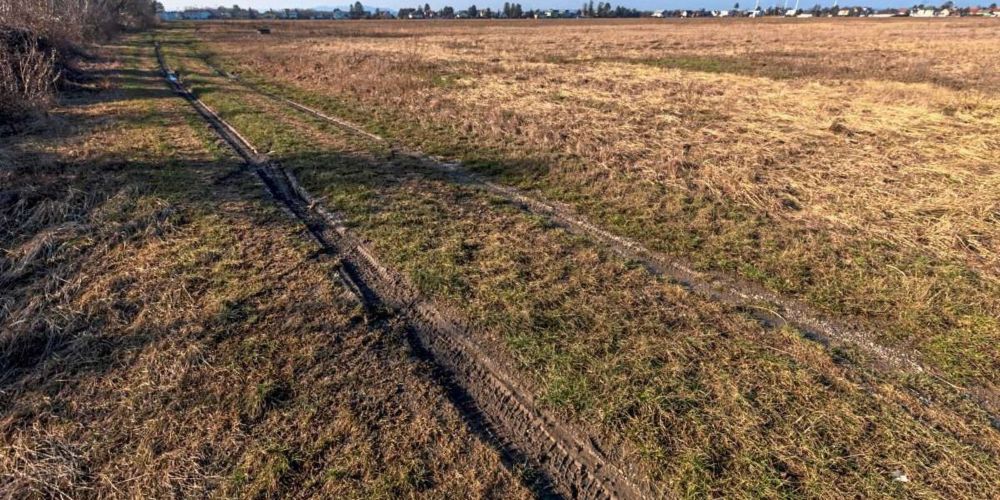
743	258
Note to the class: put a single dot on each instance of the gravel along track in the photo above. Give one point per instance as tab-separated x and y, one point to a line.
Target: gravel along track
769	308
568	457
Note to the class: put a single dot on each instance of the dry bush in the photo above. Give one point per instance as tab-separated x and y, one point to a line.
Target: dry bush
28	75
38	39
76	22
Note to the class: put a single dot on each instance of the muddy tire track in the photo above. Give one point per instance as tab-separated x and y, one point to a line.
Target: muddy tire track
569	457
771	309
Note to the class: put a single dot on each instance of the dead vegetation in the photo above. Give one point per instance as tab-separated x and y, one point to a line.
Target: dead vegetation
166	330
660	375
28	75
848	164
39	42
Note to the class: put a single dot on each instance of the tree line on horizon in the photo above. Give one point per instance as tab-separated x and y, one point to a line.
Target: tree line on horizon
358	11
516	11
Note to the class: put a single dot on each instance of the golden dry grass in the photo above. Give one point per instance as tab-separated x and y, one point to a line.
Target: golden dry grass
696	396
166	330
850	163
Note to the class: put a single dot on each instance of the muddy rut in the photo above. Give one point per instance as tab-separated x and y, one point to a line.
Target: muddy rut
771	309
569	457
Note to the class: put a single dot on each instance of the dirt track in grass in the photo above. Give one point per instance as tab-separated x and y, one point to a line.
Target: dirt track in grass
166	330
834	161
568	456
166	326
770	308
407	210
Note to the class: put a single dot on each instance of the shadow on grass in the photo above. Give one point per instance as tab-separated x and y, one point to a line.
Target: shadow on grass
86	227
56	345
781	66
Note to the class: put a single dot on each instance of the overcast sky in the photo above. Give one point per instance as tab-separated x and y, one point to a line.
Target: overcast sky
543	4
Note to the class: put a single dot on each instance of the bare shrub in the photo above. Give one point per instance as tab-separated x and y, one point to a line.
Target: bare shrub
67	22
38	38
28	75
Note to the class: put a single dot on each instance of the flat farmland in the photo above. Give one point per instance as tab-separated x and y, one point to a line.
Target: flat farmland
847	167
851	164
507	259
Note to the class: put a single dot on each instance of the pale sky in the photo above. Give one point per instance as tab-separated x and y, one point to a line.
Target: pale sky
545	4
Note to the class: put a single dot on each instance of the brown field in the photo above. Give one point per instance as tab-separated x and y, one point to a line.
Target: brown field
166	331
162	306
852	164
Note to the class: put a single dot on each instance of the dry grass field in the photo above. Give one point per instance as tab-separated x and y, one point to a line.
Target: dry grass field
166	331
165	327
845	164
849	163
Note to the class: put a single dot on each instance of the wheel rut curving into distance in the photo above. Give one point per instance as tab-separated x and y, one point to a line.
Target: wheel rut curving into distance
771	309
568	456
